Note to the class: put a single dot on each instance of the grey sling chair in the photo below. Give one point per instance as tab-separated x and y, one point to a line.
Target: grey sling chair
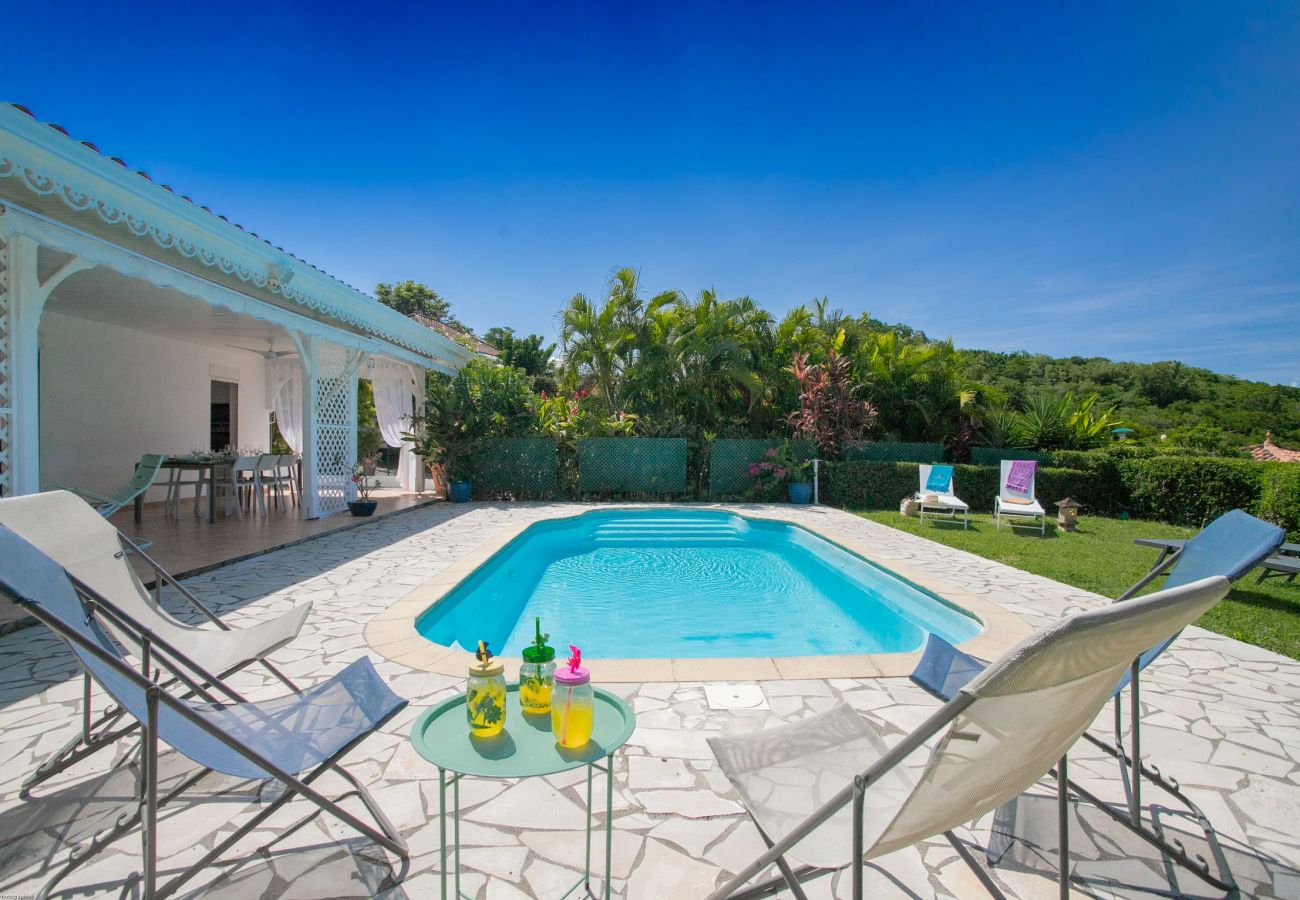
146	470
292	739
830	792
93	551
1231	545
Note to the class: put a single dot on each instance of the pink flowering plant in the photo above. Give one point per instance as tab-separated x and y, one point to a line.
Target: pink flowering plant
779	466
363	484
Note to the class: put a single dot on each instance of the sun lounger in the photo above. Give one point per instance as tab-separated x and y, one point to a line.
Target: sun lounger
1281	565
936	495
291	739
1016	501
68	531
146	471
831	791
1230	546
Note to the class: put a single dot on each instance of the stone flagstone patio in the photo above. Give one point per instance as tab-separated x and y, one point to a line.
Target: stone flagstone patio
1220	717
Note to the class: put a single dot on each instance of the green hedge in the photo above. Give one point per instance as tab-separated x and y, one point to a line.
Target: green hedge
1187	490
992	456
863	484
1279	499
893	451
1174	489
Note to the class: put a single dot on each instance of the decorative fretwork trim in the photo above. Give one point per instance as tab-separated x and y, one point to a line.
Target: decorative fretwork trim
53	169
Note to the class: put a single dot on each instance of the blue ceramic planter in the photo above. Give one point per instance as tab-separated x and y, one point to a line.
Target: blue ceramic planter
459	492
801	493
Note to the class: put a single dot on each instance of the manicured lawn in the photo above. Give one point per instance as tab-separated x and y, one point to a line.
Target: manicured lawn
1101	556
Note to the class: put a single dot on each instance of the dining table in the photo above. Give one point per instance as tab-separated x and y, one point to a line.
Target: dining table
207	465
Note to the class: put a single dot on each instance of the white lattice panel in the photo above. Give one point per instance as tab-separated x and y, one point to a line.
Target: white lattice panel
6	394
336	419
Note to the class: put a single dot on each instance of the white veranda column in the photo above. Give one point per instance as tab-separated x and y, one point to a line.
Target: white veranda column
420	465
8	306
329	425
23	294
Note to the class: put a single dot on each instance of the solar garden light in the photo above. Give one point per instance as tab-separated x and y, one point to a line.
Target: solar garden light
1068	517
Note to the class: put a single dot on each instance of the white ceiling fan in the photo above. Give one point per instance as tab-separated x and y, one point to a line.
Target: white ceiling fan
269	353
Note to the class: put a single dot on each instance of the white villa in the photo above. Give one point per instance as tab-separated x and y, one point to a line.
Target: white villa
133	320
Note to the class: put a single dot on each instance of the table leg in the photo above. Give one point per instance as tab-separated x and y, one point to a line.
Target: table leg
139	507
442	828
455	805
587	868
609	823
212	494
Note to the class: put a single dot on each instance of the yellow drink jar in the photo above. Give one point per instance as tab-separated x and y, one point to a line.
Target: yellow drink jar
537	675
485	695
573	704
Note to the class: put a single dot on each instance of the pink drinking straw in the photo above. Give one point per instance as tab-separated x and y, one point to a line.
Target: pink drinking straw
575	660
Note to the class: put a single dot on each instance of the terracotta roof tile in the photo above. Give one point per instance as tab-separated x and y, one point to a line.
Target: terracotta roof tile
1271	452
478	346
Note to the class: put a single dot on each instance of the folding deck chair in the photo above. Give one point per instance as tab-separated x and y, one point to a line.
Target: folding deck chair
995	738
936	495
68	531
1016	500
292	739
146	471
1230	546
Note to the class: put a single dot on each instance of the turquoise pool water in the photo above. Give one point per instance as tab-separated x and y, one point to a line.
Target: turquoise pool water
687	584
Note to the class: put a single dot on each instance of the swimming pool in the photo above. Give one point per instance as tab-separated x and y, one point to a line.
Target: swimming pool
683	583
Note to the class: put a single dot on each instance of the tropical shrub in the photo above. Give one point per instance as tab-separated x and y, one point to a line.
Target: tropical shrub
483	400
1051	422
831	412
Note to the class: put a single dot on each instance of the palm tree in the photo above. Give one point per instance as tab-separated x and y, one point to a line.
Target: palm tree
598	342
714	348
917	386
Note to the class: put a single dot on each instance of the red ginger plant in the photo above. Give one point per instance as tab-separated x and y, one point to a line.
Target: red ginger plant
830	411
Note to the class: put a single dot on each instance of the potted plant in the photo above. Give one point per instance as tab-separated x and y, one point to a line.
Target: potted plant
450	448
798	471
362	505
368	441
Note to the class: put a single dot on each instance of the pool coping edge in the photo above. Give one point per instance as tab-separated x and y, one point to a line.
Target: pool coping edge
392	633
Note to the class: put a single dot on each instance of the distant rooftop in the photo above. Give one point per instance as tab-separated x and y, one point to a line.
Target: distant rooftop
461	337
1271	452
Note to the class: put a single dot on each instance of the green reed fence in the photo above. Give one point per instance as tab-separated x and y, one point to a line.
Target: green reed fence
729	460
519	467
623	465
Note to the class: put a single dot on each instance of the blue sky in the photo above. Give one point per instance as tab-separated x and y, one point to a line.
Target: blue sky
1113	179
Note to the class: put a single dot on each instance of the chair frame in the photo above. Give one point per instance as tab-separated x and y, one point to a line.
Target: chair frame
1010	513
855	793
106	506
1130	816
941	511
96	734
153	652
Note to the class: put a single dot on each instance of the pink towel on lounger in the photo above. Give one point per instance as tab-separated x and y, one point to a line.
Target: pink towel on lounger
1021	476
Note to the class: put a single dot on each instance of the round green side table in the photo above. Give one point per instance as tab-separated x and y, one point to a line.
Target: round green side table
525	748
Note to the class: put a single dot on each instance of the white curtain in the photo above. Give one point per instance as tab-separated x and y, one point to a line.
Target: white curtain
394	406
287	402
